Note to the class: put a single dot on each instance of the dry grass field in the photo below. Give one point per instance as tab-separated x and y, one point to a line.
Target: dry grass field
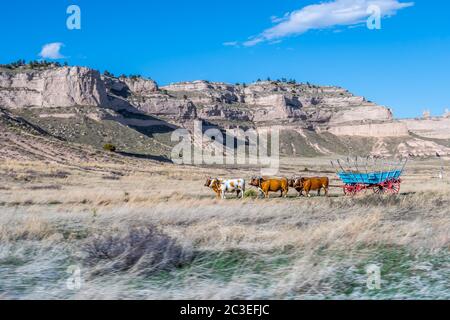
146	230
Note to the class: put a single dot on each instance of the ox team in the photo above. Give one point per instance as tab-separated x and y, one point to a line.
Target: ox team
265	185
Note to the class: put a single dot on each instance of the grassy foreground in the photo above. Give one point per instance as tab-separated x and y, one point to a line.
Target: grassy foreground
130	240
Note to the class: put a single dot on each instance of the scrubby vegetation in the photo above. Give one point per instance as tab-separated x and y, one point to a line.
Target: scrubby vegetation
109	147
34	64
140	250
106	73
251	193
278	81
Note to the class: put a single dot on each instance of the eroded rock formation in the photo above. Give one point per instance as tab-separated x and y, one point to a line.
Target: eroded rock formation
55	87
307	111
434	128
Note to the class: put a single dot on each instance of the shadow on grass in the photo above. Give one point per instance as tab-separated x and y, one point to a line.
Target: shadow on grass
145	157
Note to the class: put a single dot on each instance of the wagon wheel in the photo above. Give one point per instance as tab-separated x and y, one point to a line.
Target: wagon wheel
393	187
379	189
360	188
349	190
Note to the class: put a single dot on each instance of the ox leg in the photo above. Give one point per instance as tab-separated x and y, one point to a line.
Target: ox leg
318	192
261	193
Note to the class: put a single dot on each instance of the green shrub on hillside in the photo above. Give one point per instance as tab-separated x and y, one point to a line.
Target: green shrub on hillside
109	147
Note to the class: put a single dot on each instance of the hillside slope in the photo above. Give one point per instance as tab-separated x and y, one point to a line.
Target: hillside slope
23	141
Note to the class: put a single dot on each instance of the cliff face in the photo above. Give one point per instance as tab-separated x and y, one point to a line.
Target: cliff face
59	87
140	86
320	119
260	103
268	101
376	130
434	128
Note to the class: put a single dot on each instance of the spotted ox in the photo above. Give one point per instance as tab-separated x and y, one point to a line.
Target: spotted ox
266	185
308	184
295	183
222	187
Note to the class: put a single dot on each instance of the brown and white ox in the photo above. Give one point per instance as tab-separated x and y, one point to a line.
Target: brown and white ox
310	184
266	185
221	187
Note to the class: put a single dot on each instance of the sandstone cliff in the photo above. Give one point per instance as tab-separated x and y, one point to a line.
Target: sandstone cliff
376	130
270	101
434	128
259	103
318	119
55	87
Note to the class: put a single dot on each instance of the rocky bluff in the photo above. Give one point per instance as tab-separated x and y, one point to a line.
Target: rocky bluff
310	111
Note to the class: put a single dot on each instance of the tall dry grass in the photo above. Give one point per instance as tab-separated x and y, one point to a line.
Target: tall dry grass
196	246
206	248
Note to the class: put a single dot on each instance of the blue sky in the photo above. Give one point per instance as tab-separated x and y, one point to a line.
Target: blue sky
405	65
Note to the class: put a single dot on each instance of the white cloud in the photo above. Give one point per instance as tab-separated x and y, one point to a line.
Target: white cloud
231	44
325	15
52	51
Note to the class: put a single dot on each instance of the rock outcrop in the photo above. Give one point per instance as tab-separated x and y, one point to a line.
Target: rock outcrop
320	119
276	107
267	101
140	86
54	87
421	148
257	104
434	128
376	130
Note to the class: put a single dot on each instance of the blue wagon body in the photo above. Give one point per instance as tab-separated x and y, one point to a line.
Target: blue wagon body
369	178
379	176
